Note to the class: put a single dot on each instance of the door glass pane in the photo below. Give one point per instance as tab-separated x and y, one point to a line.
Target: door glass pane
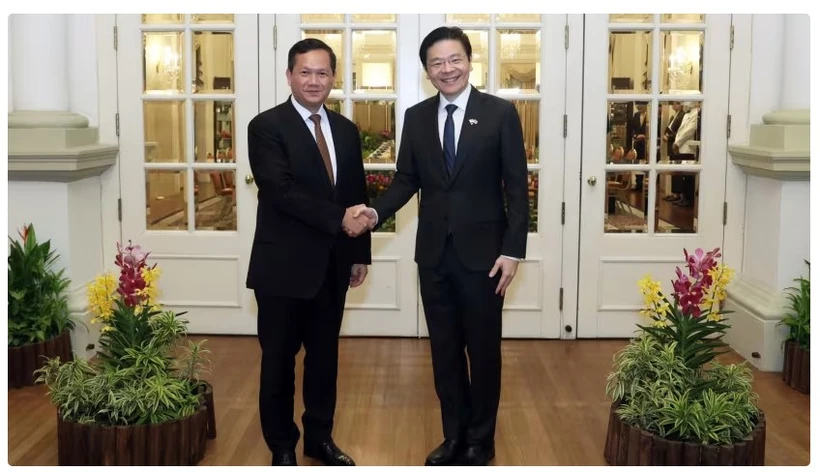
164	125
630	62
165	201
374	61
335	105
377	18
213	131
215	197
213	55
671	115
631	18
377	183
480	61
532	183
628	129
323	18
682	59
209	18
332	38
518	18
162	18
163	62
676	210
467	18
519	54
528	111
625	202
376	121
682	18
686	146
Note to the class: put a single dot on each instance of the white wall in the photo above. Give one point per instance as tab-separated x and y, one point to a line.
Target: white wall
82	67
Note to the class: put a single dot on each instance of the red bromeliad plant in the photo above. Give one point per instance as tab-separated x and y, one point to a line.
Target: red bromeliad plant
693	318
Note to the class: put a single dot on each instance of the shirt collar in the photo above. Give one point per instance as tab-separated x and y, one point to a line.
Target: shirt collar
305	113
460	101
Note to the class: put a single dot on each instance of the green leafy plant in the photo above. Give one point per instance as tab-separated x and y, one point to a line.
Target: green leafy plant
143	373
799	317
667	380
38	301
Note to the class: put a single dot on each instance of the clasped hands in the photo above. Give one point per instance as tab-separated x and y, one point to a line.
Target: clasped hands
358	219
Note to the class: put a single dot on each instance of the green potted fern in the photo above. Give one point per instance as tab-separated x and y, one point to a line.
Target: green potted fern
39	322
796	352
673	403
141	400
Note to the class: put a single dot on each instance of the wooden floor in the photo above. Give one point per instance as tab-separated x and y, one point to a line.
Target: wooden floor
553	409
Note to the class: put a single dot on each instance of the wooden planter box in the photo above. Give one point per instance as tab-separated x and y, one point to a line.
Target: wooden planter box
796	366
24	360
181	442
628	445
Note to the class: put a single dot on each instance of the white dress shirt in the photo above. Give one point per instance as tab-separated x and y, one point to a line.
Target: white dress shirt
326	131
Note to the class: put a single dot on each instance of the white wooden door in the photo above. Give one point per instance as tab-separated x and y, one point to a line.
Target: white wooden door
628	227
376	81
187	87
523	58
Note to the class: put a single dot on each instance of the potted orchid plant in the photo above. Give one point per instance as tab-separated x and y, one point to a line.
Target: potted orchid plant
673	403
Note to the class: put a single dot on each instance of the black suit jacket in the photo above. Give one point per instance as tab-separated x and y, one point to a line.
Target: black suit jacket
470	204
299	214
672	130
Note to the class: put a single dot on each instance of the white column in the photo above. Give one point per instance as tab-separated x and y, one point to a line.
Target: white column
39	70
796	62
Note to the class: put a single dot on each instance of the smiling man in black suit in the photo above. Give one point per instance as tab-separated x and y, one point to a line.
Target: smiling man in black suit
465	151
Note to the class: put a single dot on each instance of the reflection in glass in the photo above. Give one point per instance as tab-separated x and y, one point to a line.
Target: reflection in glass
165	204
467	18
679	18
631	18
213	131
213	55
519	55
532	183
374	61
334	39
686	145
628	132
161	18
528	113
671	115
215	198
376	121
676	210
480	61
323	18
375	18
377	183
682	59
518	18
630	62
164	124
625	205
163	62
211	18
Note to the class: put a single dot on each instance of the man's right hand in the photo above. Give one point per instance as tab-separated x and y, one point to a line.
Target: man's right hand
353	223
366	212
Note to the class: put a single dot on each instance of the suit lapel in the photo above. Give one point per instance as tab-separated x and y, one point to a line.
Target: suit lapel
469	131
430	133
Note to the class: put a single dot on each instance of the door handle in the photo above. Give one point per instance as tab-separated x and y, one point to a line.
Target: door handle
592	180
249	179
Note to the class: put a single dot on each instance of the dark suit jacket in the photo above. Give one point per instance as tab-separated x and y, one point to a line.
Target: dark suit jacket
299	213
671	131
470	205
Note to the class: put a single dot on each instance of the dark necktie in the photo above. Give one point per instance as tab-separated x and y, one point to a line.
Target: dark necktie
450	139
323	150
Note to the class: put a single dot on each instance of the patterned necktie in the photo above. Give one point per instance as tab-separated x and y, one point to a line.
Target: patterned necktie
450	139
323	150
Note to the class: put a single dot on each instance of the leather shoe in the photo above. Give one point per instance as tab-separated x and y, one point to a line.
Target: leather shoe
328	453
477	455
284	457
445	454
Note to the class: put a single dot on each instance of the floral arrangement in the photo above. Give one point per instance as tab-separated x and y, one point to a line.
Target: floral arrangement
377	183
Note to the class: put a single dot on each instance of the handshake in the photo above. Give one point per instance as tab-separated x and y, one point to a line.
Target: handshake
358	219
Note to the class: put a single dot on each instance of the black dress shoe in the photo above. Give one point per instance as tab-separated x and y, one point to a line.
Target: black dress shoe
445	454
284	457
477	455
328	453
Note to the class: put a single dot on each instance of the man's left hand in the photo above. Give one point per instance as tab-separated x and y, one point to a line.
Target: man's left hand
508	267
357	274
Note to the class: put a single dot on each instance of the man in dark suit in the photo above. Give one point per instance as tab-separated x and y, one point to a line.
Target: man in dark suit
307	163
464	150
